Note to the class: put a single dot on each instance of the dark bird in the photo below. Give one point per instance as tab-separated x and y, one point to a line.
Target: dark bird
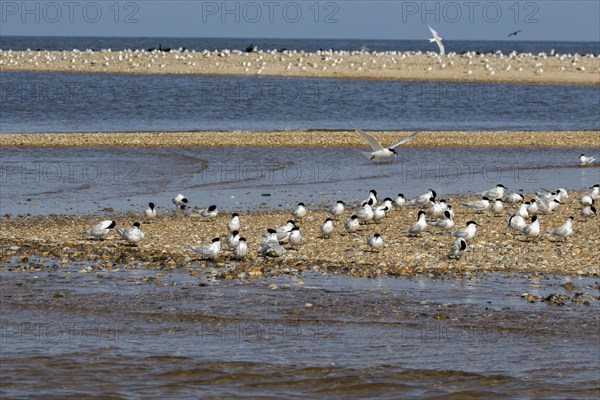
515	33
250	48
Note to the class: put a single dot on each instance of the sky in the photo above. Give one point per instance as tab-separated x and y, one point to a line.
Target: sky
554	20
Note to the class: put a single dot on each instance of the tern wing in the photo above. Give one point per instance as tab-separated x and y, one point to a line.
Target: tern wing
433	32
406	139
441	46
375	145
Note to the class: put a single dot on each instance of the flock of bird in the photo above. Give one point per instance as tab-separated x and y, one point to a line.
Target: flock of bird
434	214
256	60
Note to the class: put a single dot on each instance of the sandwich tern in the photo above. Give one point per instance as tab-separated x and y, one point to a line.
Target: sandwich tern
438	40
207	250
498	207
150	211
445	223
101	230
378	151
467	233
295	238
513	198
435	211
234	223
337	209
300	211
365	213
379	212
523	210
563	231
533	229
352	225
583	160
400	201
133	234
457	248
495	193
327	228
423	200
180	201
478	205
210	212
588	212
418	226
232	240
375	242
241	249
516	222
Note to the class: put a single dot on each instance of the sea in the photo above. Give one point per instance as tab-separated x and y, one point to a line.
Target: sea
123	333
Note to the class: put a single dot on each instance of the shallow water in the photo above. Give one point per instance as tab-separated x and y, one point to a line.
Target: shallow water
66	102
60	180
129	333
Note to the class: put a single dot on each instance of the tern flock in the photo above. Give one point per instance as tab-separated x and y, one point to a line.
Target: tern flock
524	220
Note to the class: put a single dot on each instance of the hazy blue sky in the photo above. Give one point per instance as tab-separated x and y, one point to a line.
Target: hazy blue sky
463	19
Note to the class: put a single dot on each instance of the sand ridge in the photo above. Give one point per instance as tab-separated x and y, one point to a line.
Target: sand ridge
297	138
496	67
57	238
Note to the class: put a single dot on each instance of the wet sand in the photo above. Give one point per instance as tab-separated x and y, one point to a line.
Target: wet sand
295	138
57	241
470	67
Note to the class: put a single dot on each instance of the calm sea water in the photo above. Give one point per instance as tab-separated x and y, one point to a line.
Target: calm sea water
120	43
60	180
129	334
63	102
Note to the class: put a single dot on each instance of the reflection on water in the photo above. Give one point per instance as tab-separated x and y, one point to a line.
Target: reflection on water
55	180
339	337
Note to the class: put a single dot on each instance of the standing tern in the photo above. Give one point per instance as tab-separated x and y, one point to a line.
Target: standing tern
378	150
533	229
232	240
467	233
563	231
241	249
400	201
295	238
337	209
133	234
418	226
375	242
327	228
300	211
588	212
352	225
424	199
101	230
207	250
478	205
150	211
210	212
445	223
435	211
513	198
180	201
234	223
458	248
495	193
438	40
498	206
516	222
